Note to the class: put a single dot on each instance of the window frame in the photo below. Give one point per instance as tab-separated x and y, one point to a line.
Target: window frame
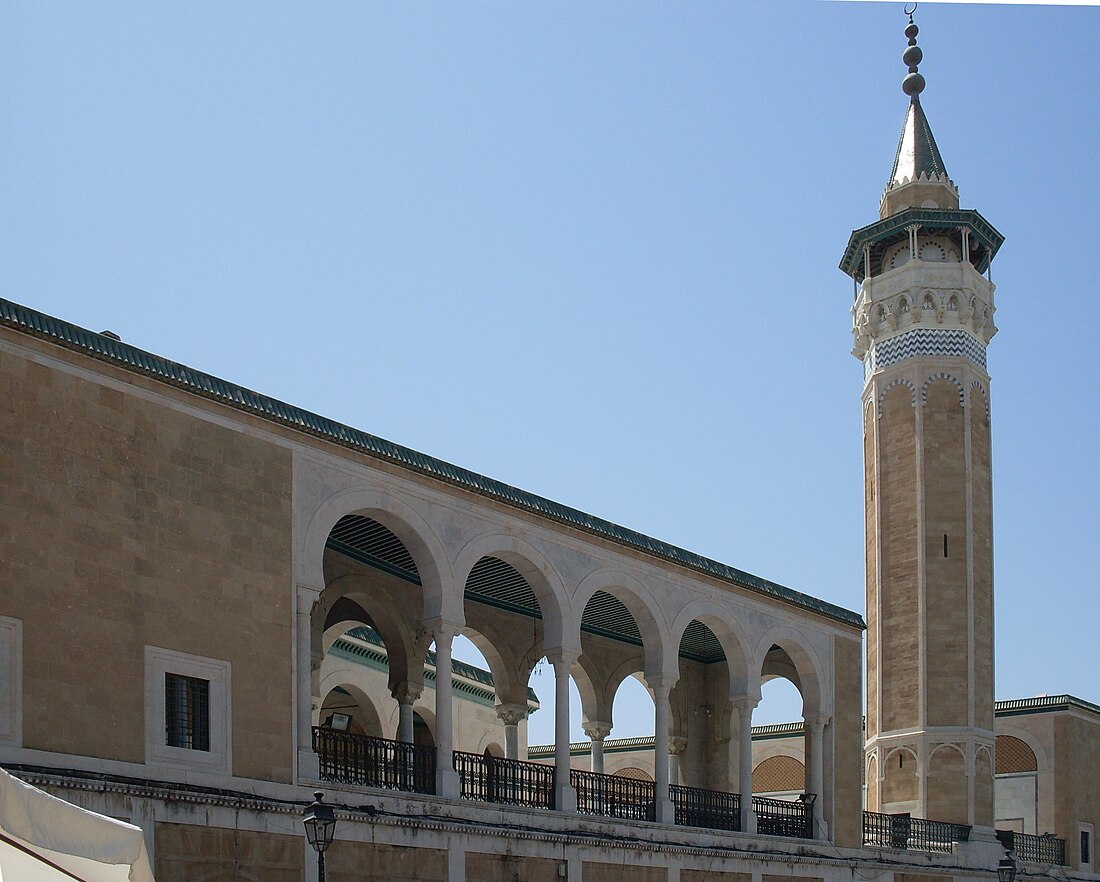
160	662
1089	830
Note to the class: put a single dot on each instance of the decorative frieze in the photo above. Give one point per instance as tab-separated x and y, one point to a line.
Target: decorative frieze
923	341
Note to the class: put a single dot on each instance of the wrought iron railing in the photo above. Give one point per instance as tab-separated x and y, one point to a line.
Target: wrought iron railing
916	834
780	817
712	809
374	762
505	781
1045	849
613	796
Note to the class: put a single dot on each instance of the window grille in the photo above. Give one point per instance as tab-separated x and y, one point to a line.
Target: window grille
187	712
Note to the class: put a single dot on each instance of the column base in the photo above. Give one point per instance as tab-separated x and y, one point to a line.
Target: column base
565	798
309	766
983	849
448	783
665	811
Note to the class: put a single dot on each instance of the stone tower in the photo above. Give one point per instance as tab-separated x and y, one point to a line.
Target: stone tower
922	317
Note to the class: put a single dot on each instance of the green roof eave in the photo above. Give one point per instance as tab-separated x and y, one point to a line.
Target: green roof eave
1043	704
932	218
131	358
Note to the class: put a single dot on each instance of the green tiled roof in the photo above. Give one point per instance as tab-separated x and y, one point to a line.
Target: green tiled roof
894	227
30	321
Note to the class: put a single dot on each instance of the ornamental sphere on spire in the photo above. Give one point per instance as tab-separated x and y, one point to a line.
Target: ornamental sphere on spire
913	84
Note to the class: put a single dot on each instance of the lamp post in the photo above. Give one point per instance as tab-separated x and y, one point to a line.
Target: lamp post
320	824
1006	870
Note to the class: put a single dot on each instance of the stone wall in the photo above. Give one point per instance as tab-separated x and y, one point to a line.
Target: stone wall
150	527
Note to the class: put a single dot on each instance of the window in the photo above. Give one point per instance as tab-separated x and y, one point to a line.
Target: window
187	711
1085	831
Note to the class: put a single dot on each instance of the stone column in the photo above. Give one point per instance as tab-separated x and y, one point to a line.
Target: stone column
446	779
743	708
307	665
815	770
597	731
511	715
405	695
565	796
661	688
676	746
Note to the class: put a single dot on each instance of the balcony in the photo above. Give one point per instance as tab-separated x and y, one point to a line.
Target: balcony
1046	849
912	834
363	761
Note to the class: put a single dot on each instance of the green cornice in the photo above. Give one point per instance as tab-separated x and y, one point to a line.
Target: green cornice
928	218
131	358
1042	705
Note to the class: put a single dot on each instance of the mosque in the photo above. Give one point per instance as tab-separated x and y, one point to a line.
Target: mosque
215	604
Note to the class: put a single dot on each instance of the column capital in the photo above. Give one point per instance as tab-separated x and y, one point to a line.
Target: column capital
677	744
559	655
596	730
744	703
511	714
441	629
405	693
817	723
661	682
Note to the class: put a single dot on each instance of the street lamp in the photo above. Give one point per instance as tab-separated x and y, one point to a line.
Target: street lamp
1006	870
320	823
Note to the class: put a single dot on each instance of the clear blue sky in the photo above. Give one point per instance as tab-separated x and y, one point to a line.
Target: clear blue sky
588	249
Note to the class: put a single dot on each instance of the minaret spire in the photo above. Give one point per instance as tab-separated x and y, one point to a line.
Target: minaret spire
918	158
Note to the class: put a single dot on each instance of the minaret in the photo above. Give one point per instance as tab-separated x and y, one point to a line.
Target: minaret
922	317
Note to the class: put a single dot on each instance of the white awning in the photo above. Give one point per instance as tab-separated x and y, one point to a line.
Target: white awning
45	839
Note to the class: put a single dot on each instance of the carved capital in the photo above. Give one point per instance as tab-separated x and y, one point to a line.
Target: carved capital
405	693
677	744
511	714
596	730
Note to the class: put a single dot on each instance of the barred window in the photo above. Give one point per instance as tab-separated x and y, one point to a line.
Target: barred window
187	712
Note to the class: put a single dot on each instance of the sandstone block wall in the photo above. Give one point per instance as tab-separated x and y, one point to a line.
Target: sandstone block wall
149	527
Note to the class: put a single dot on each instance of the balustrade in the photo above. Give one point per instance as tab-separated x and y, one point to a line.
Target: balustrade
374	762
1045	849
365	761
613	796
505	781
918	834
780	817
712	809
